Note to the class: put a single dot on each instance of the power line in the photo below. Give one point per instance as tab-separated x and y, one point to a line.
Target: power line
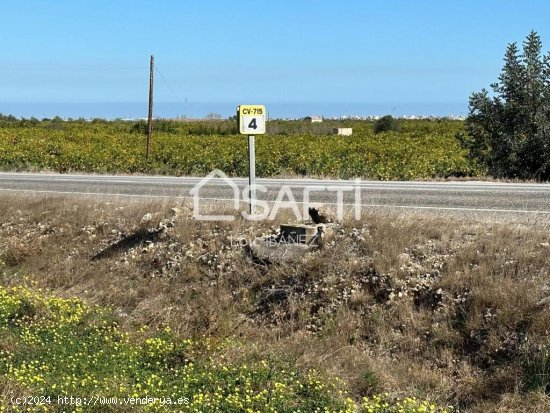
169	86
69	69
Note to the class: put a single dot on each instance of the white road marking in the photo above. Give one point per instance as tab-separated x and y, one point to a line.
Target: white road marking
443	208
382	186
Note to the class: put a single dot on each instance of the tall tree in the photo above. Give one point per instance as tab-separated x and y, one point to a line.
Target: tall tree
508	130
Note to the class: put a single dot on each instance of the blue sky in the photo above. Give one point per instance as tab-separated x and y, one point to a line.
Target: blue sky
388	52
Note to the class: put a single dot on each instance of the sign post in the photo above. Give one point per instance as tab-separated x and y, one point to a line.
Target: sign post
252	173
251	119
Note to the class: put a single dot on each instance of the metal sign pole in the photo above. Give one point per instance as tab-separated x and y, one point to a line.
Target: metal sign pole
252	173
251	121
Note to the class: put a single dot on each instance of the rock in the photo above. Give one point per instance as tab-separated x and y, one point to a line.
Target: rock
267	250
146	218
297	234
175	211
403	259
174	246
321	215
120	313
357	235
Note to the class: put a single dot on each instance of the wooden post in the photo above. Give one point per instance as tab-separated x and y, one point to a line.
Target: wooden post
150	115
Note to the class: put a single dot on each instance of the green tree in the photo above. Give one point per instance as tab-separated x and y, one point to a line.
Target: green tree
386	123
508	130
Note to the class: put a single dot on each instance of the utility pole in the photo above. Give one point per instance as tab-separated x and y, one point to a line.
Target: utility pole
150	115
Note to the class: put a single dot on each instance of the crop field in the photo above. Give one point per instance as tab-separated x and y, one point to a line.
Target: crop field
422	149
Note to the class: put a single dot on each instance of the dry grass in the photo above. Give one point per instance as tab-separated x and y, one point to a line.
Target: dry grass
415	305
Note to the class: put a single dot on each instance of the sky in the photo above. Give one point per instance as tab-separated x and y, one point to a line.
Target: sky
336	57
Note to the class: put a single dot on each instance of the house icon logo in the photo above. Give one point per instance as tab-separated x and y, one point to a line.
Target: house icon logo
207	191
214	179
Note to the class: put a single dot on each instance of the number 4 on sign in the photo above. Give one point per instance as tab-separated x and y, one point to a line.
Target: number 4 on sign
251	119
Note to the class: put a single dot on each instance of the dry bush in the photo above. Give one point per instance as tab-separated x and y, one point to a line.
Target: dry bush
14	252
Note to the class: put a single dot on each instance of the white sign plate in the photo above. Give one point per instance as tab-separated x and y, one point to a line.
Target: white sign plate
251	119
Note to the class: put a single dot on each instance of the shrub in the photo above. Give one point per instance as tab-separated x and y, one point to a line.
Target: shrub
386	124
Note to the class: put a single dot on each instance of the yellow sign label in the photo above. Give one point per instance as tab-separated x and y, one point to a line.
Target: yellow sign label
252	109
251	119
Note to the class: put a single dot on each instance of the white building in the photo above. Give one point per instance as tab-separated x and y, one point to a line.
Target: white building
342	131
314	119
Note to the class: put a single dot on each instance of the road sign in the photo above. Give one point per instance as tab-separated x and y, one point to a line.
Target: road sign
251	119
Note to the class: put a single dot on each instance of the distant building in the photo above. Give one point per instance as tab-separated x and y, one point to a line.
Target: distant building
313	119
342	131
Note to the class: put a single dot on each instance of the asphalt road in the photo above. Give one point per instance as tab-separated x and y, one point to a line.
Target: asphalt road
497	199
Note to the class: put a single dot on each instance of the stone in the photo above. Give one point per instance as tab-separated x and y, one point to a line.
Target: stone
175	211
297	234
267	250
321	215
146	218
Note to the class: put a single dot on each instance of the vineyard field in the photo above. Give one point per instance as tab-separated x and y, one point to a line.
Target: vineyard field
422	149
